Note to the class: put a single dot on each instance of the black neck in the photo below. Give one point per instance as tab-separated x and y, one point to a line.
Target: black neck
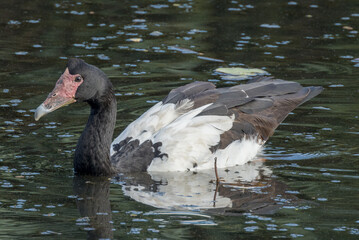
92	155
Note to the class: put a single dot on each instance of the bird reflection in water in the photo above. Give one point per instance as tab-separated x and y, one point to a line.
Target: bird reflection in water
249	188
245	188
93	203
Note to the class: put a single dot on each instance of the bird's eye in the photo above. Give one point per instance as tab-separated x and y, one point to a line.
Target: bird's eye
78	79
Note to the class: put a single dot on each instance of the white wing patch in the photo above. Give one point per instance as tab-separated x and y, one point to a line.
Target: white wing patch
153	120
237	153
188	139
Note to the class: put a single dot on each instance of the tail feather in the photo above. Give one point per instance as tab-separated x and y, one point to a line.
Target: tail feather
313	91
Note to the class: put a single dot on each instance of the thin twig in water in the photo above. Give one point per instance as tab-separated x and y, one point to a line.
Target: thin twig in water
215	194
215	170
217	182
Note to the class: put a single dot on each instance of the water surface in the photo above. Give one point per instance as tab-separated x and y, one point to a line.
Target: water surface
309	179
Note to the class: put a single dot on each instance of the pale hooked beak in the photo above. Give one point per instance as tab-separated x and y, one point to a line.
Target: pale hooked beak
43	109
62	95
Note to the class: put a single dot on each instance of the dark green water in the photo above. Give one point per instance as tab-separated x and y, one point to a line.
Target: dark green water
312	161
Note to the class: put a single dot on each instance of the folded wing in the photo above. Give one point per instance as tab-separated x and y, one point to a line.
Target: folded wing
195	121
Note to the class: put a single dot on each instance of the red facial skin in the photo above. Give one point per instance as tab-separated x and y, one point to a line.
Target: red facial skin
64	91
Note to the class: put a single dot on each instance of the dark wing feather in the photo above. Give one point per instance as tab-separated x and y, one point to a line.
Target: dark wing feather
215	109
187	91
221	106
270	87
131	156
257	105
262	116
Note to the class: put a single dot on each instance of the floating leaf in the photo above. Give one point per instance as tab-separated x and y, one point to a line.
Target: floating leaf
347	28
137	40
238	73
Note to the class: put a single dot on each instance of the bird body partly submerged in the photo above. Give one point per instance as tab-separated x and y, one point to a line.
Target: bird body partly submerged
187	130
178	138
